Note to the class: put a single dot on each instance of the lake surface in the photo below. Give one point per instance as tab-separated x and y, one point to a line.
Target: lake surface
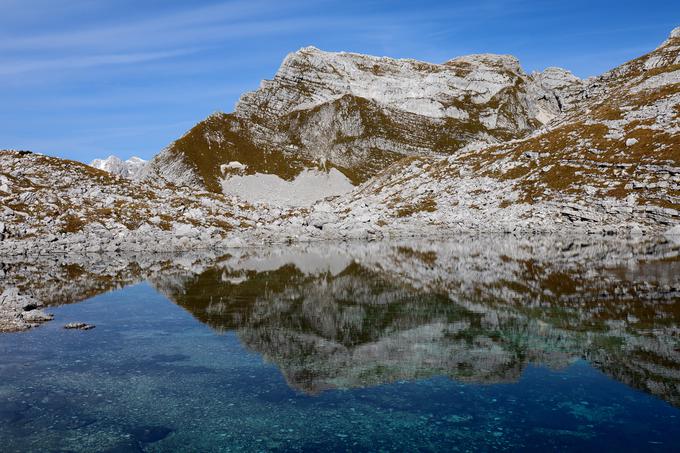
484	344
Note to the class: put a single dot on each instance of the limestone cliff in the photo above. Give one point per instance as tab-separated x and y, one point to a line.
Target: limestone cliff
360	114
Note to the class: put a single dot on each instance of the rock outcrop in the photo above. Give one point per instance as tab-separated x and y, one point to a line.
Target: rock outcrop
19	311
567	89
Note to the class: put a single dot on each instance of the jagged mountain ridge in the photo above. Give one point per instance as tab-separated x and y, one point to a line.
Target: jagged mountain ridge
359	114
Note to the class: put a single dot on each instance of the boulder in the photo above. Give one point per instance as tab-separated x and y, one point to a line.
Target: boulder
79	326
320	219
673	234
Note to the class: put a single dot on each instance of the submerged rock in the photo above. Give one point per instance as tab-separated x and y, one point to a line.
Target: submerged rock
151	434
79	326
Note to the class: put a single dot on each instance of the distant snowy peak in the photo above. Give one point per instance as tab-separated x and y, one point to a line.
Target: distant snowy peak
130	168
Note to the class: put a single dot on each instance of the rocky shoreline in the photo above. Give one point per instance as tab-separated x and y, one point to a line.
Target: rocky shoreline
29	284
313	232
33	277
20	312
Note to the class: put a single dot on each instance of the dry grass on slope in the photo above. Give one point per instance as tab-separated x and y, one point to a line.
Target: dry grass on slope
61	196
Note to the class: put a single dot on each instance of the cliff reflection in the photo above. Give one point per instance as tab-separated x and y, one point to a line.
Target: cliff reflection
351	315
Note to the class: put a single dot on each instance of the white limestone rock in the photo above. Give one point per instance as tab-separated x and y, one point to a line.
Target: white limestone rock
360	114
311	77
567	89
673	234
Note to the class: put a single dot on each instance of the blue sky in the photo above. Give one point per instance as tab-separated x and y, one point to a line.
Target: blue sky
88	78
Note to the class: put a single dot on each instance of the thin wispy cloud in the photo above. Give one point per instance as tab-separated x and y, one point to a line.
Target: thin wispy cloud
87	61
242	19
231	19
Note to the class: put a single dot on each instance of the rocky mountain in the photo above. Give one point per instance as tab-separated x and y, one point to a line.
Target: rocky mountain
474	145
614	161
358	114
130	168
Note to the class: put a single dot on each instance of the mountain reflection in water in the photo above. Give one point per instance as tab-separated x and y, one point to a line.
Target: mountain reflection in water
346	315
365	314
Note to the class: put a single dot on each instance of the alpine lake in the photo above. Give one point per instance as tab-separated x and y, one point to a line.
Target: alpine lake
464	344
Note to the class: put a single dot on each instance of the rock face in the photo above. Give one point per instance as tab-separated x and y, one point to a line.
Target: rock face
567	89
130	168
455	90
359	113
612	159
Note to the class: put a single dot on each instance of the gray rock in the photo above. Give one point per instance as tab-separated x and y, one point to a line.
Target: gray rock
78	326
37	316
673	234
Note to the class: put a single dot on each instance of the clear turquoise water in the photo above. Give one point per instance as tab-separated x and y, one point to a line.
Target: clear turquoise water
170	373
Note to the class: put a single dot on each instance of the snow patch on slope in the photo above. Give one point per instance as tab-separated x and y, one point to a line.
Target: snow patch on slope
308	187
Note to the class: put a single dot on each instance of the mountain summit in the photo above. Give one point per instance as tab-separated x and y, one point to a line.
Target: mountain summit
341	145
612	158
358	114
